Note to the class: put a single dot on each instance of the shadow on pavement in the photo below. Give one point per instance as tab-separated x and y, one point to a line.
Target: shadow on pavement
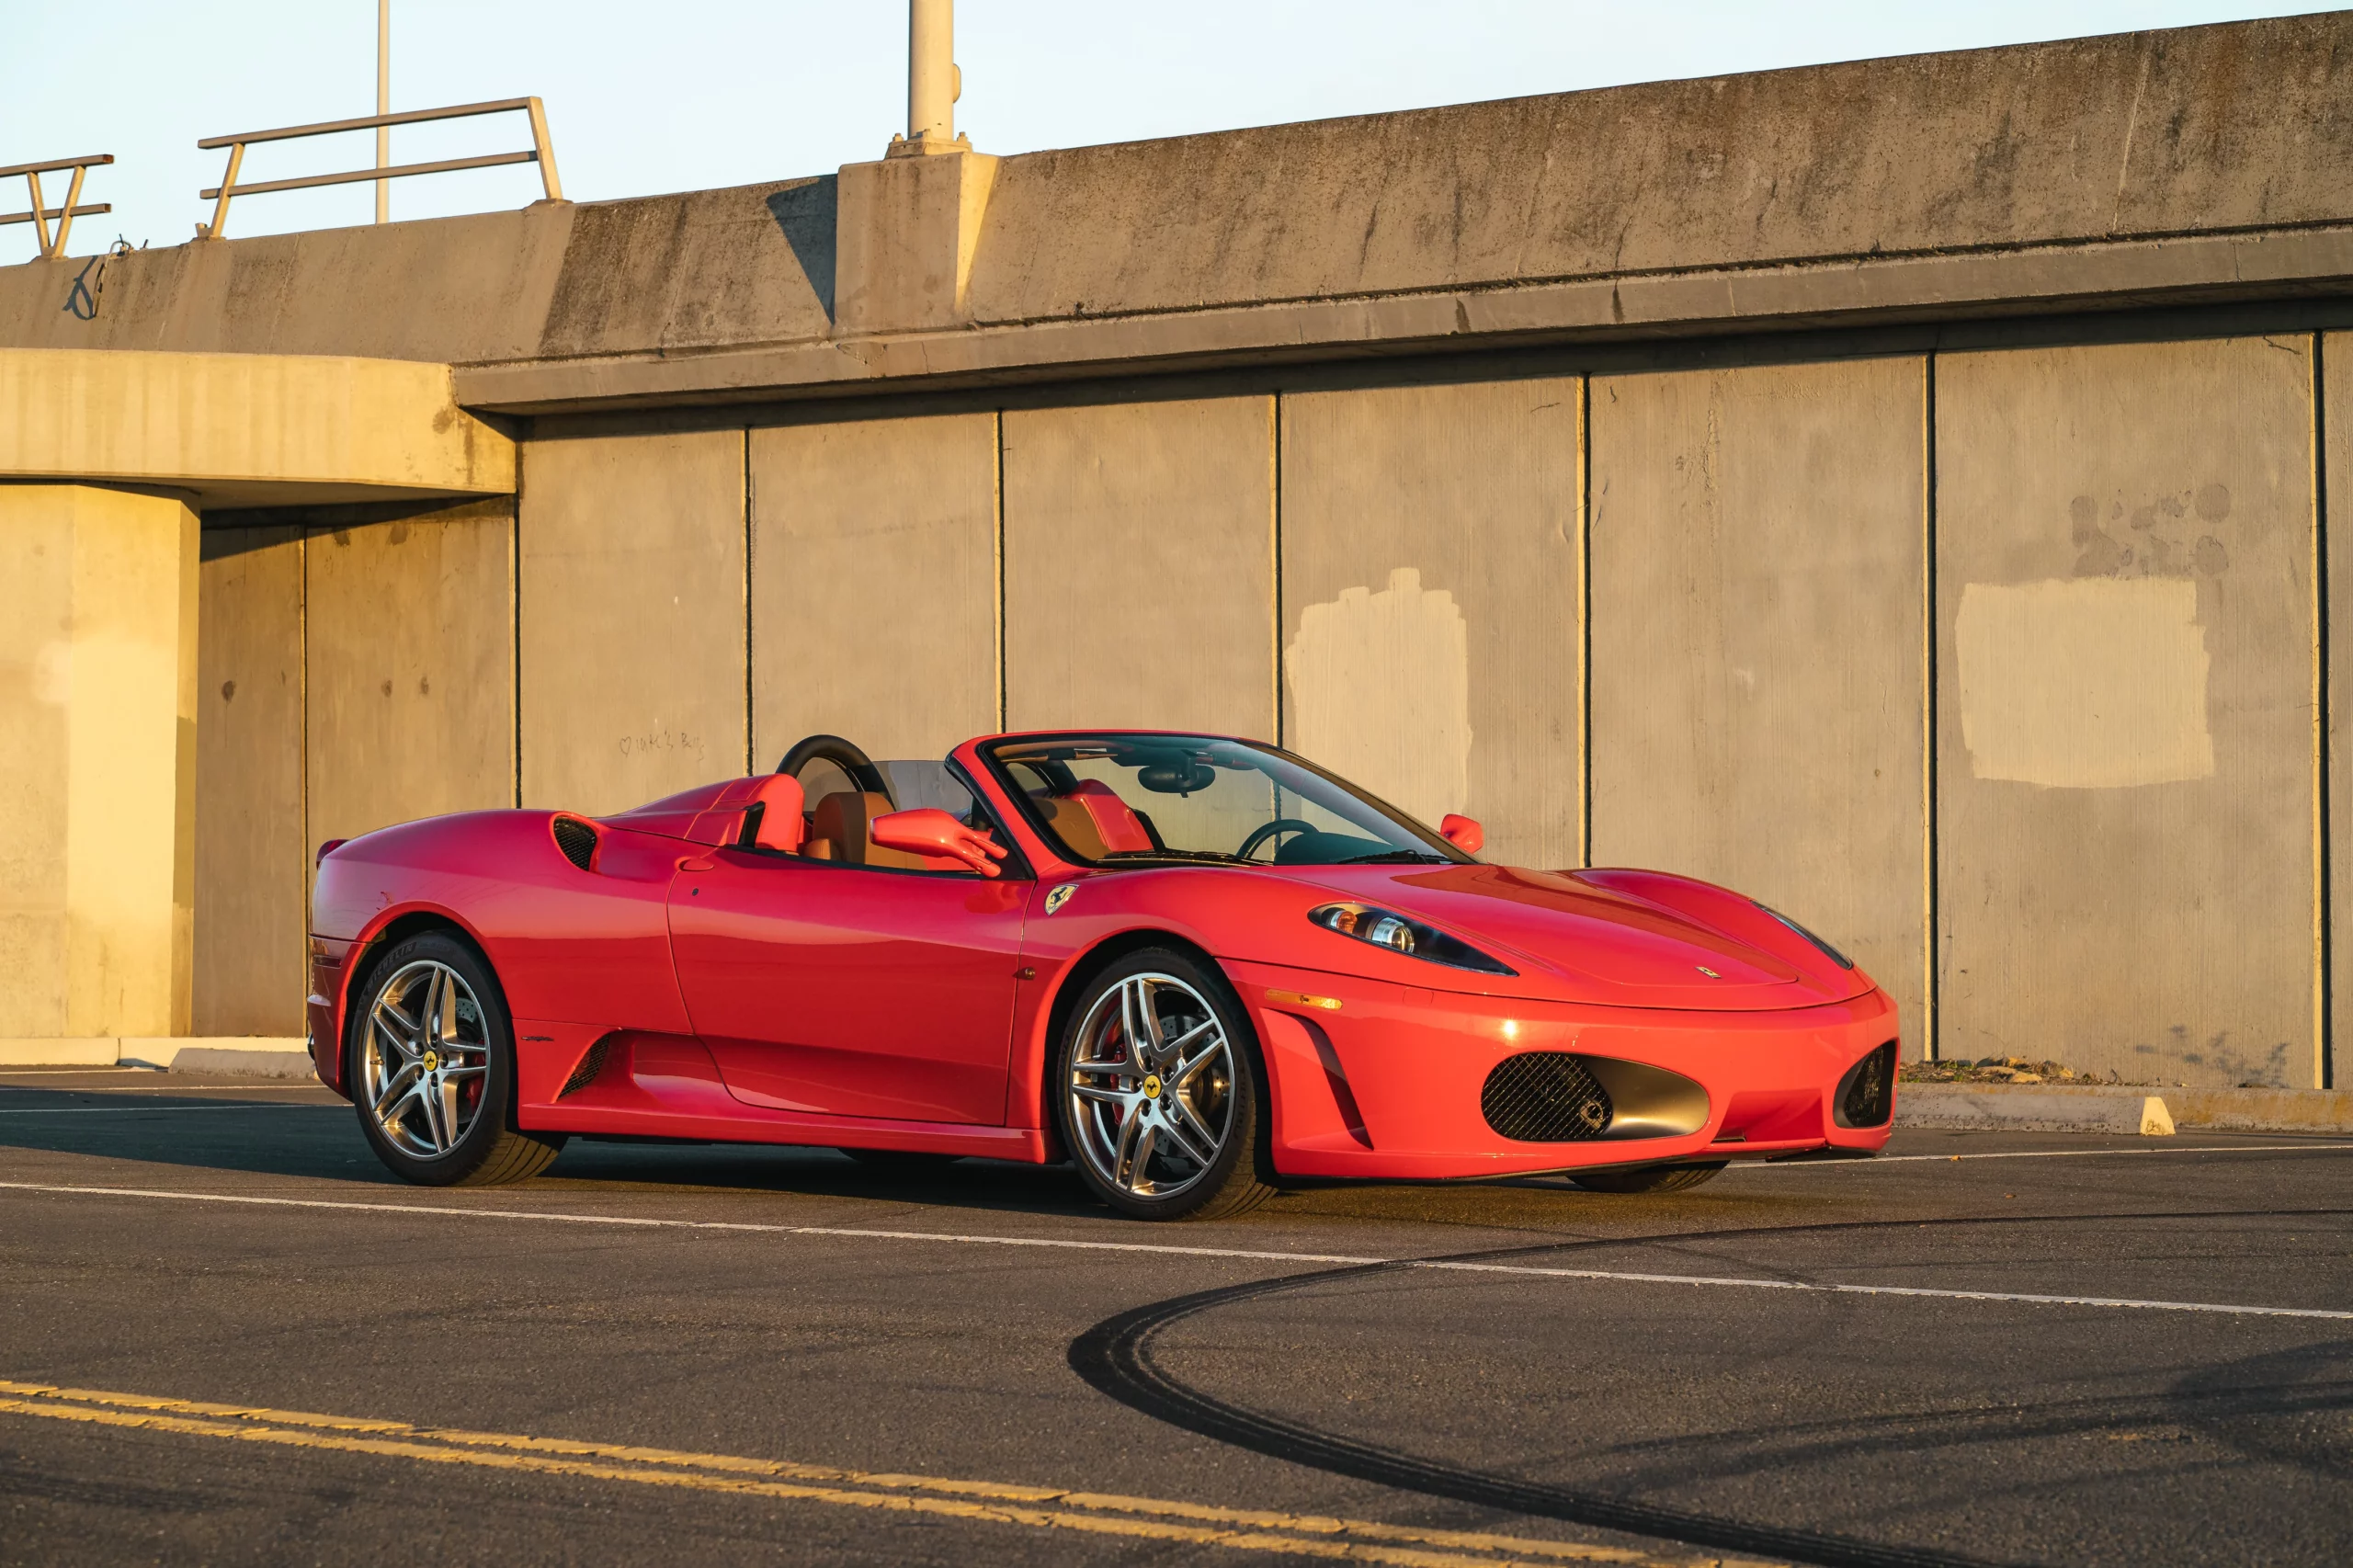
316	1135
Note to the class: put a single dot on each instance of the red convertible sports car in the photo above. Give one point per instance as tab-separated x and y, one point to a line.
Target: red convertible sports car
1194	966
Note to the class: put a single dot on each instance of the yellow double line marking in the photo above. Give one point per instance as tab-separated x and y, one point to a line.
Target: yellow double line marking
1242	1529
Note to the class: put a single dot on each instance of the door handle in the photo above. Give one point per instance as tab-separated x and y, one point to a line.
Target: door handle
695	864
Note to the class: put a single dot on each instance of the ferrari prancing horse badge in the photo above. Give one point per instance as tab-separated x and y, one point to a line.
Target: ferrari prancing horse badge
1060	896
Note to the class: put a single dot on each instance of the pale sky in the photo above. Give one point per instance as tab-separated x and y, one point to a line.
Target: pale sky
643	98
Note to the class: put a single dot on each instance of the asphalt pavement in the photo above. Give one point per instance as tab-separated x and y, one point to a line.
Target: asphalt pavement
228	1336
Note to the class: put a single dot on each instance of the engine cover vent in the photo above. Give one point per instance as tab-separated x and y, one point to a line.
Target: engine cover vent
576	839
1545	1096
590	1065
1867	1093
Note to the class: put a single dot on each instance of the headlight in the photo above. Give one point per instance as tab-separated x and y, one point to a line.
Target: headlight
1403	934
1841	959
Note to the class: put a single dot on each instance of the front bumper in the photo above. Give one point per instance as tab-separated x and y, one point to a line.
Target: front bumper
323	1010
1388	1084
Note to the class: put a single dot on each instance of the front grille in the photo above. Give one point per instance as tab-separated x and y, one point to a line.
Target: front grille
590	1065
1867	1095
1545	1096
576	839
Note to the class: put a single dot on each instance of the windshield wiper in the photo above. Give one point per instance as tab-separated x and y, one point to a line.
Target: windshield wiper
1395	858
1214	856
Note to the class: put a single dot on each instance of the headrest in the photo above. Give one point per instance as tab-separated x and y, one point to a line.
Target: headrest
1117	826
780	824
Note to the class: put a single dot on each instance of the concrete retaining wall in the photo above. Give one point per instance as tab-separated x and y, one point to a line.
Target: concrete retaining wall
1731	602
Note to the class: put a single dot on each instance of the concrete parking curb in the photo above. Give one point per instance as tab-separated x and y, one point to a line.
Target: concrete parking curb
2093	1108
246	1063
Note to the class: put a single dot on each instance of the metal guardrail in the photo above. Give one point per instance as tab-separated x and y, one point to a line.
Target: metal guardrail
543	153
40	215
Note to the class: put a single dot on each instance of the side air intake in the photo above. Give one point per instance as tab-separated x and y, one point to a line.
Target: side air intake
1867	1093
576	839
590	1065
1554	1096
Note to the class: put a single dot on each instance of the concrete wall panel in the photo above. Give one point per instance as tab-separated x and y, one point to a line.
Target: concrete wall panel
1758	557
412	668
631	606
2126	745
874	584
1430	602
1139	565
251	859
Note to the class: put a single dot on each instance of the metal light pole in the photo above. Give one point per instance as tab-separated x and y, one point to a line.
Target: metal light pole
933	82
383	106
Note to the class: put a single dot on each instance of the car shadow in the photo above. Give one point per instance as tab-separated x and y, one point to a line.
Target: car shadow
317	1137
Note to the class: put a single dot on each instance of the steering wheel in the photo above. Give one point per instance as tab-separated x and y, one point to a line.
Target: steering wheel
842	754
1267	830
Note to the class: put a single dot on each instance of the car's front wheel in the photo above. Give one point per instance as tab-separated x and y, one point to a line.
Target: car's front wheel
1161	1093
431	1068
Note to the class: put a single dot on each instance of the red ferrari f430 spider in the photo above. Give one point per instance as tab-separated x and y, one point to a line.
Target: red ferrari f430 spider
1195	967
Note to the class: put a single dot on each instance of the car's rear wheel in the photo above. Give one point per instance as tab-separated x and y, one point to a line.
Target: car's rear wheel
431	1067
1161	1093
1654	1179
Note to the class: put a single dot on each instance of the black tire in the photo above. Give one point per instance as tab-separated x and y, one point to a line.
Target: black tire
1223	1094
1652	1178
489	1149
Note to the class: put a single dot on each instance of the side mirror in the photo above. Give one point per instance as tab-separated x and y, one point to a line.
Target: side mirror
1464	832
928	830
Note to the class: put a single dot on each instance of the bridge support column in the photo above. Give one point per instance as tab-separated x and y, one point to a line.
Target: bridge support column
97	727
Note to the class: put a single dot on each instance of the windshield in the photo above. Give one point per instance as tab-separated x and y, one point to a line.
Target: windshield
1122	799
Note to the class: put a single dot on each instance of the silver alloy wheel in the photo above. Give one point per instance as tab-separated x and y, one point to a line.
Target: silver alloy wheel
425	1066
1151	1086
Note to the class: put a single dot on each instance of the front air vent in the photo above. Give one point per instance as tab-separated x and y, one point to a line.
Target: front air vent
1867	1093
1550	1097
590	1065
1545	1096
576	839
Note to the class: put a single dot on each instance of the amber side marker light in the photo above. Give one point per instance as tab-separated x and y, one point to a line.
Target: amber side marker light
1302	999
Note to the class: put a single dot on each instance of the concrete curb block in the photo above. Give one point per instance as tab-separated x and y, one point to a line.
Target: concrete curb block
2264	1110
249	1064
2089	1108
271	1054
2033	1108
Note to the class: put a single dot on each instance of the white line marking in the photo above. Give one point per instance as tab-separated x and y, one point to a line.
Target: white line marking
2027	1155
1059	1243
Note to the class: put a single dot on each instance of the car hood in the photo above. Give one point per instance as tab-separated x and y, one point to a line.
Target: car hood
1573	940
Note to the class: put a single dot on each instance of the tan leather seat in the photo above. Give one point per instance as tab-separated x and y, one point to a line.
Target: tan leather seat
838	831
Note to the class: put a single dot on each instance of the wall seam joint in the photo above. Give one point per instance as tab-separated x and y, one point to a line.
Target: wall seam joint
1929	1044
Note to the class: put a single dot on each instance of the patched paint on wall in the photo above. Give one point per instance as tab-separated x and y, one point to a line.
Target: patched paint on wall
2085	684
1381	692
